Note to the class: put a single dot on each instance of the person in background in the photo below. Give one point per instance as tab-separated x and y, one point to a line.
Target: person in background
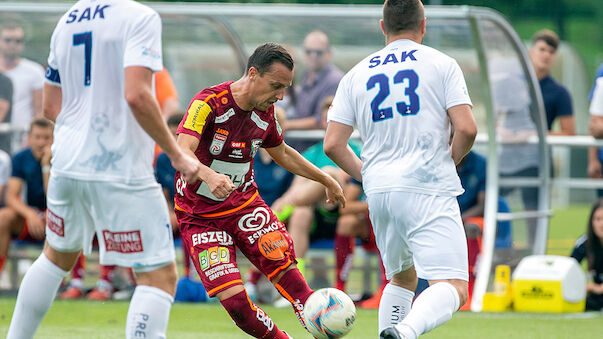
311	219
595	154
319	80
6	99
27	77
590	247
557	99
25	219
5	167
166	93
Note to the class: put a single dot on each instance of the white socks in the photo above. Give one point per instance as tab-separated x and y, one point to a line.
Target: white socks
149	313
394	305
36	294
431	309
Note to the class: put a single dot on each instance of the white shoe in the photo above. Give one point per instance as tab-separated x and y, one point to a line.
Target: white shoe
252	291
281	303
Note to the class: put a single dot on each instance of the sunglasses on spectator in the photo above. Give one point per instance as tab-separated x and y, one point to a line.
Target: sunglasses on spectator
318	52
17	41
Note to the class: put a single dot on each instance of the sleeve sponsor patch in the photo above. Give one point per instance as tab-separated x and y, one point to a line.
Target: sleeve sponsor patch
197	115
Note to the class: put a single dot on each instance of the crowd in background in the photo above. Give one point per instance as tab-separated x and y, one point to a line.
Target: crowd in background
299	203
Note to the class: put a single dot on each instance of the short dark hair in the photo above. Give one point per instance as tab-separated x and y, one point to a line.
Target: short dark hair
402	15
175	119
10	25
549	37
41	122
267	54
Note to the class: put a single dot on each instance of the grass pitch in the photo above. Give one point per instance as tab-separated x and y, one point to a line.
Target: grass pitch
92	320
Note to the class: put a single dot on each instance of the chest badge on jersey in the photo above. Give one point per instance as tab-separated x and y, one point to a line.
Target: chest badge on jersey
255	145
224	117
217	144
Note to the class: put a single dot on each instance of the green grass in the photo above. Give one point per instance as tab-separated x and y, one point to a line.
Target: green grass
90	320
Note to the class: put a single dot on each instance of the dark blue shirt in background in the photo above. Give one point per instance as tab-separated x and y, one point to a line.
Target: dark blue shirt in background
165	173
473	179
272	180
28	169
557	100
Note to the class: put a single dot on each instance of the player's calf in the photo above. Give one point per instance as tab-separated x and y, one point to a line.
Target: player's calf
251	318
293	287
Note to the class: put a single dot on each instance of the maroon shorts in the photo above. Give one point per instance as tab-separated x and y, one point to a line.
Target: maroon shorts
254	230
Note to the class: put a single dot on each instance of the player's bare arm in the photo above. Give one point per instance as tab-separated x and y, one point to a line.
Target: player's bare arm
37	102
295	163
465	130
220	185
595	126
594	165
52	101
336	147
141	99
35	224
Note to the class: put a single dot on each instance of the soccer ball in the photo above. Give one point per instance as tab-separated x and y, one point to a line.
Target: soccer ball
329	313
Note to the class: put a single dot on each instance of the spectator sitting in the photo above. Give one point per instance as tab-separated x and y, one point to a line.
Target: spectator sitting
4	175
590	246
25	220
320	80
313	218
27	77
6	99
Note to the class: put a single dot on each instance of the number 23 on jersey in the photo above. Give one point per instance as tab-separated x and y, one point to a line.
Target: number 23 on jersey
405	81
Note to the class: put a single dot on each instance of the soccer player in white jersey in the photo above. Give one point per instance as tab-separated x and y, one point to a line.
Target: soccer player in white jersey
99	91
402	100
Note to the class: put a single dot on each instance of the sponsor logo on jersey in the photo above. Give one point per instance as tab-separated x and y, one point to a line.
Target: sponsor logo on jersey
258	121
148	51
255	146
87	14
213	256
376	60
273	245
237	144
254	221
217	143
236	153
224	117
278	126
55	223
196	116
220	237
122	242
180	186
274	226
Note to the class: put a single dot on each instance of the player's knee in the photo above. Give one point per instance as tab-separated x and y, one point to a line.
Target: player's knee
406	279
301	218
462	289
347	225
164	278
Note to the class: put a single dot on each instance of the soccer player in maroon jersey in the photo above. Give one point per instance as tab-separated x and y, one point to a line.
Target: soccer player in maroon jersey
224	127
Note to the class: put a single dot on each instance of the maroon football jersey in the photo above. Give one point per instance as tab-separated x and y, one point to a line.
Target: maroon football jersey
229	138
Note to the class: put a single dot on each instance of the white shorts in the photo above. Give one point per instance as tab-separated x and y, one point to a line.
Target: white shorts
131	221
426	228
